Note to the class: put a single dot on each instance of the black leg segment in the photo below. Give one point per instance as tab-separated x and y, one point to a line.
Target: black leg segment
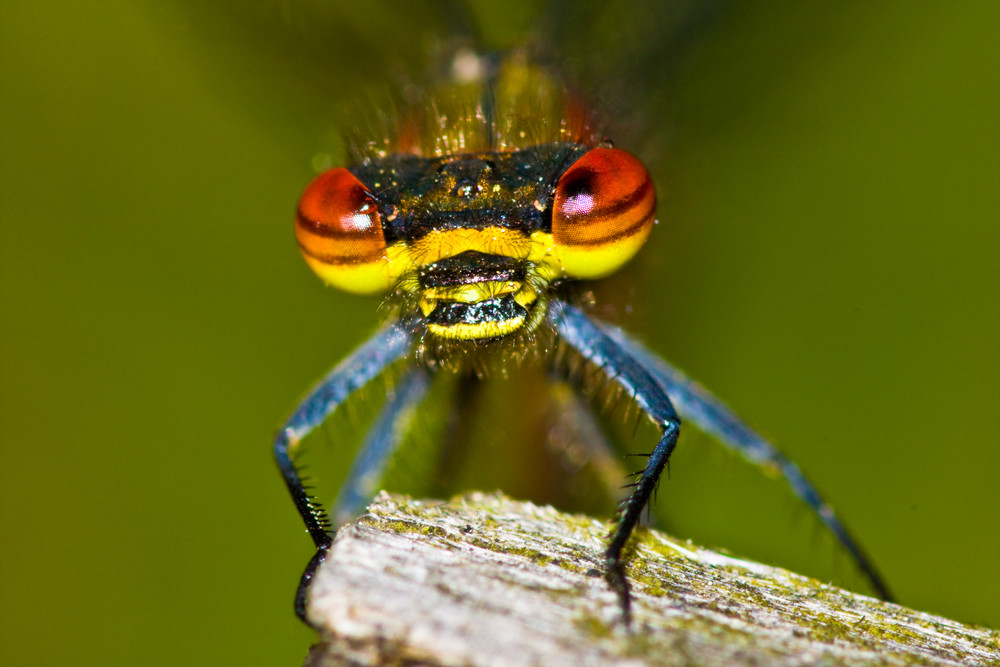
587	338
385	347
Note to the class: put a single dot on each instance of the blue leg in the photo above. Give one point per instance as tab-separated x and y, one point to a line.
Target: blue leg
387	346
582	334
712	416
380	444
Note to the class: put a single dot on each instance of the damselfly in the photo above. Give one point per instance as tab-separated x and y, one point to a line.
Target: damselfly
491	203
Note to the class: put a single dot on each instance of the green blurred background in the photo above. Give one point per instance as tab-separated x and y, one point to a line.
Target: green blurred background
826	261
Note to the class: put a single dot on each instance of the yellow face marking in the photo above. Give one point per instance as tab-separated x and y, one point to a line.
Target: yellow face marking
473	292
443	243
464	331
524	296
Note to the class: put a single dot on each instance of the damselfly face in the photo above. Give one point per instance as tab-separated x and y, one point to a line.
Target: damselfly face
472	241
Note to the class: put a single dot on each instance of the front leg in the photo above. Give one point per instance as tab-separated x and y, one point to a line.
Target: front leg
381	350
380	444
708	413
591	341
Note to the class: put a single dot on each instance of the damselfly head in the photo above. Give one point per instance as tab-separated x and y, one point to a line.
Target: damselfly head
470	221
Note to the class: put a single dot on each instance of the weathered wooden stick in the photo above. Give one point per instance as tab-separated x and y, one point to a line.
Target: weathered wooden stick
485	580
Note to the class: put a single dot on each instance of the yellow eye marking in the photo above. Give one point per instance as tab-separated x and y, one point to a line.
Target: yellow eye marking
591	262
366	278
586	262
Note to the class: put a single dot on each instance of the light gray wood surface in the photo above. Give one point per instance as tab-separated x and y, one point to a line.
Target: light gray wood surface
485	580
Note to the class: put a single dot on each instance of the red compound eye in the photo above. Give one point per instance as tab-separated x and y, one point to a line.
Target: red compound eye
603	211
340	234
